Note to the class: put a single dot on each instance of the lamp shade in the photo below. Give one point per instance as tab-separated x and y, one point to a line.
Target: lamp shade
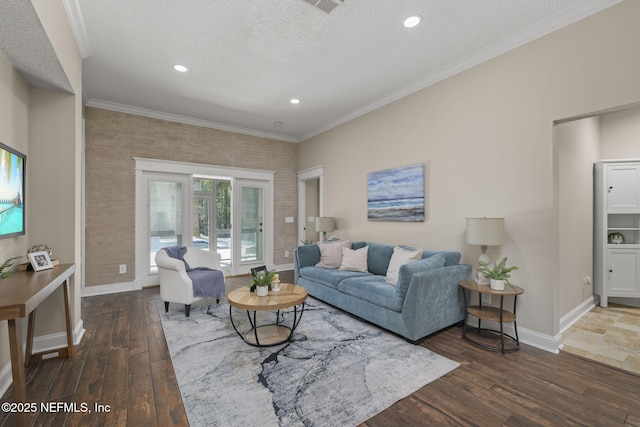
325	223
485	231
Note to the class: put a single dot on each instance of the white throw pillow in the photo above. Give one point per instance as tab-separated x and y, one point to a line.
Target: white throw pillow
400	257
355	260
331	253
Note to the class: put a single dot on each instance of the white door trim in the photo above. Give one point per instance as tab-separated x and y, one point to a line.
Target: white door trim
316	172
191	169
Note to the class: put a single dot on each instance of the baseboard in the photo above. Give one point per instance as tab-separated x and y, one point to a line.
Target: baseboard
283	267
542	341
535	339
89	291
633	302
42	344
574	315
6	378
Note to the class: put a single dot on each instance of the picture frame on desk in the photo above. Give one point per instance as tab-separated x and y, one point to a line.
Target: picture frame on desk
40	260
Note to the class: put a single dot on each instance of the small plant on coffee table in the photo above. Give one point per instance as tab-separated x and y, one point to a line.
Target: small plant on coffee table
262	278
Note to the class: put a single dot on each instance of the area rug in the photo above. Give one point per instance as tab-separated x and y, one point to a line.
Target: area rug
337	370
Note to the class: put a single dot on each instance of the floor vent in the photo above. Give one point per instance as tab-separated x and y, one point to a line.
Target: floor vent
325	5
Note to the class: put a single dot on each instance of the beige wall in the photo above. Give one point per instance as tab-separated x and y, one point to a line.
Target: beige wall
14	106
485	137
46	126
577	148
620	135
113	139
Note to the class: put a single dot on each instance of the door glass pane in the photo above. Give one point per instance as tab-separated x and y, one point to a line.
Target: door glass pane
251	223
165	216
223	223
201	222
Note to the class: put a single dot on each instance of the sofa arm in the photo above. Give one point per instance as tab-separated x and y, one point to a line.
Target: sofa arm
166	262
434	299
305	256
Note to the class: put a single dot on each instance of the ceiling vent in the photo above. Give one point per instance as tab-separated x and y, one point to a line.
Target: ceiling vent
325	5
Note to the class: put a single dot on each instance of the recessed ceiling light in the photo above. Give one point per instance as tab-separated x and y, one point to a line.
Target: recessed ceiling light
412	21
294	101
180	68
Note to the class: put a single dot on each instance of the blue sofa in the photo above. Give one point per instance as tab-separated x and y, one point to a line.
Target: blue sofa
425	300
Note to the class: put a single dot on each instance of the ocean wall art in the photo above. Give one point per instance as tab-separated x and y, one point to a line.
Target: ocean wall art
396	194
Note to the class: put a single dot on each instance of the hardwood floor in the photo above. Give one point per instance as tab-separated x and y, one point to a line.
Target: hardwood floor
123	362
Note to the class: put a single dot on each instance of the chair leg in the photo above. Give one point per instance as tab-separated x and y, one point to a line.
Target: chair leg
187	309
166	306
217	300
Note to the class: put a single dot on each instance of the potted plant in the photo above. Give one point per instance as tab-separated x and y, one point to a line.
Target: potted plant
8	263
499	273
261	281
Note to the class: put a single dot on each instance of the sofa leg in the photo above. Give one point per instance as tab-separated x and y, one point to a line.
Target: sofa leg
187	309
166	307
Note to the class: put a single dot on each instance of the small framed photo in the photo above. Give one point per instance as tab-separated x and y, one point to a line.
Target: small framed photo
40	260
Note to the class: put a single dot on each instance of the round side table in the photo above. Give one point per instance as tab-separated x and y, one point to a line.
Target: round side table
489	313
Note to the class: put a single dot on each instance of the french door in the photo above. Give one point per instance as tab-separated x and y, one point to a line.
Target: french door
211	218
224	210
167	220
252	215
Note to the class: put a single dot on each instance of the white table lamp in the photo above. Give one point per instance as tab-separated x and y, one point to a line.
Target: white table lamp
324	224
485	232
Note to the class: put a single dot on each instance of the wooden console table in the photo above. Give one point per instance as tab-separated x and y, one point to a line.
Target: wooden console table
20	295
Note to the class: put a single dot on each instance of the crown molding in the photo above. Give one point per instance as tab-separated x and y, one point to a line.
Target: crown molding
154	114
525	36
76	21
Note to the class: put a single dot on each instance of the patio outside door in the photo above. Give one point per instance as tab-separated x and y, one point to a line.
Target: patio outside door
251	214
167	197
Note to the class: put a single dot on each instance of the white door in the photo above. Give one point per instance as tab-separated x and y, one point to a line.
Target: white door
167	220
252	225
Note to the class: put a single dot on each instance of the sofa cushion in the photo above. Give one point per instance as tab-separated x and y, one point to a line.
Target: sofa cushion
378	258
373	289
331	253
358	245
408	270
329	277
354	260
400	257
450	257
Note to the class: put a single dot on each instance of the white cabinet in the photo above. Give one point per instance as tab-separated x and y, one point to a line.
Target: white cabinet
622	273
617	230
623	187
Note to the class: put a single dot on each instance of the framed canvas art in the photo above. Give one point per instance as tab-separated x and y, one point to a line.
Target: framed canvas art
12	186
396	194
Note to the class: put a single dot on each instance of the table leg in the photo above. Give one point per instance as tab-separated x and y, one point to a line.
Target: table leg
30	329
255	328
502	324
17	369
67	314
466	313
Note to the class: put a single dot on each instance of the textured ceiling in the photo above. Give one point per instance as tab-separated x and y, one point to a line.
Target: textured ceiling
25	43
247	58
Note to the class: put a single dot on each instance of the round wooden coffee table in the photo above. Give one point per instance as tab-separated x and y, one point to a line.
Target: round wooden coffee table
270	333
